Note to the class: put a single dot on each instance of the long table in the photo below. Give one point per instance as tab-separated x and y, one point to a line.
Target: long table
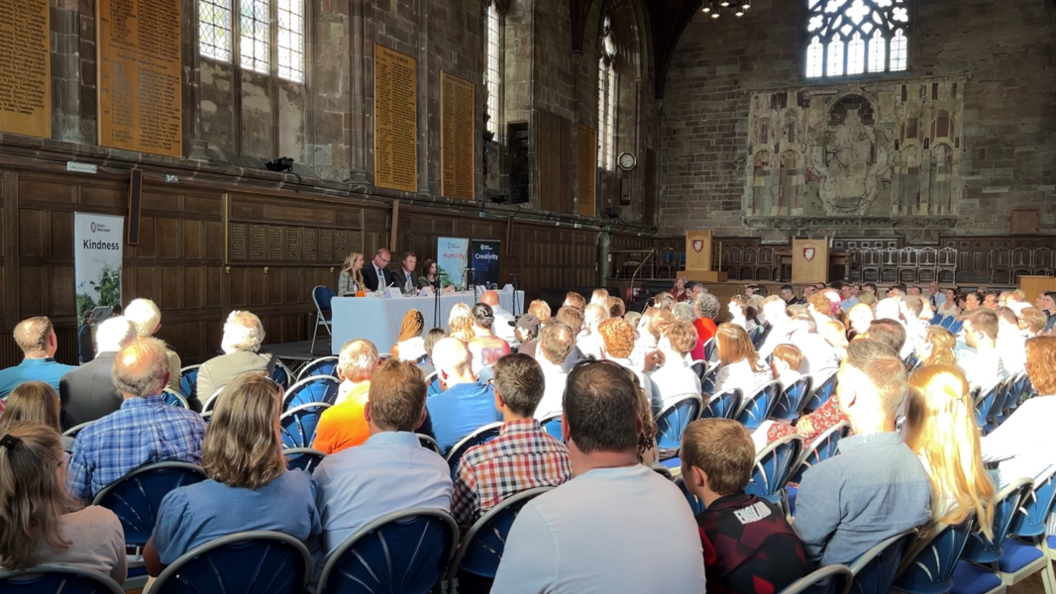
378	320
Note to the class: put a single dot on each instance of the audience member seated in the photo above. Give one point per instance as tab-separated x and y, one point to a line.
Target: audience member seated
788	294
377	275
821	359
249	487
527	332
541	310
38	525
591	343
85	345
485	347
460	320
1032	321
649	333
33	402
404	277
410	345
1046	302
345	424
616	307
835	333
748	544
876	487
1022	445
143	431
776	315
350	280
741	314
87	392
243	335
983	367
36	337
937	347
618	526
391	471
618	337
1010	341
860	317
739	364
912	306
600	297
466	404
522	457
146	317
573	299
708	309
786	365
675	378
504	320
940	428
556	341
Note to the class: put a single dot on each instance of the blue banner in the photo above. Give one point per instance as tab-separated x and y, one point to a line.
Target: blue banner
485	263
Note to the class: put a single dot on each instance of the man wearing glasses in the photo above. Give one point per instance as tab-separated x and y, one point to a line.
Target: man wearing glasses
378	270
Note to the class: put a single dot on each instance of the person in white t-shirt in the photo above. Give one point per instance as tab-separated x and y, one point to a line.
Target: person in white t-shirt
983	367
556	341
675	377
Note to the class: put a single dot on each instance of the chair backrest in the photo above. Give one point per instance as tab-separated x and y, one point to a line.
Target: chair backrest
707	380
955	327
73	431
874	571
313	389
552	425
282	375
946	322
482	435
322	295
136	497
789	403
757	408
773	467
821	394
189	380
696	505
984	403
432	381
298	424
980	549
174	398
259	562
1035	509
672	421
756	336
831	579
58	579
304	458
404	552
429	443
722	406
321	366
711	351
483	545
822	448
934	558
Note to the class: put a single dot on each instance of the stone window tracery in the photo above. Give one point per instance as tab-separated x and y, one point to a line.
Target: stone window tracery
261	47
607	97
851	37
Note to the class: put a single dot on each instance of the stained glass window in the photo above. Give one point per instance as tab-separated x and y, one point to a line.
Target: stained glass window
854	36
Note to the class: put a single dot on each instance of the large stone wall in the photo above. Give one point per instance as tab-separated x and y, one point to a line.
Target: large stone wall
717	174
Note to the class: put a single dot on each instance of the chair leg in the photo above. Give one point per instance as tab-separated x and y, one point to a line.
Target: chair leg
314	334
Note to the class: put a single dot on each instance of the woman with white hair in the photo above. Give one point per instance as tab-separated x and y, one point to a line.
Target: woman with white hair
243	335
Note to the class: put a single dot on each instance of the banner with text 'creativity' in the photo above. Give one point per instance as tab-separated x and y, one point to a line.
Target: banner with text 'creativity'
485	263
97	260
451	260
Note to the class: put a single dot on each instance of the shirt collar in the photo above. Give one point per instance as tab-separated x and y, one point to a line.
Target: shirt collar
400	438
44	361
856	441
143	402
736	499
519	426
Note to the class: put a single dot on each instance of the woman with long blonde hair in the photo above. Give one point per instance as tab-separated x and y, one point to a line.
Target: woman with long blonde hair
350	280
461	322
249	487
941	430
32	402
937	347
410	346
39	522
739	363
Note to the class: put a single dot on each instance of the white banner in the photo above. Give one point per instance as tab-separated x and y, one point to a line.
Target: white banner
97	258
451	257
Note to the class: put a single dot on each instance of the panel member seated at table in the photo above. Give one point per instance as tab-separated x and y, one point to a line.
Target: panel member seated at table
378	271
404	277
466	404
350	280
431	277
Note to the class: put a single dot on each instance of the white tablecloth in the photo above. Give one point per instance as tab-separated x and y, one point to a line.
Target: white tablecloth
378	320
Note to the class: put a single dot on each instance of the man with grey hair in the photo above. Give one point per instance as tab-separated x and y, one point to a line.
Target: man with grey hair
146	317
87	392
243	335
820	359
143	431
36	337
344	425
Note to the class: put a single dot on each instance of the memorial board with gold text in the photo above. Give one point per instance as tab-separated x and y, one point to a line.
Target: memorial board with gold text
457	133
395	120
25	69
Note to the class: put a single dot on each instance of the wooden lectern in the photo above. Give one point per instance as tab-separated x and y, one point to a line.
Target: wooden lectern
810	260
698	259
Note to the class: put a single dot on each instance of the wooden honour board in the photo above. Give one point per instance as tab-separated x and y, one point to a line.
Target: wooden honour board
395	120
588	170
25	70
139	75
553	161
457	135
259	233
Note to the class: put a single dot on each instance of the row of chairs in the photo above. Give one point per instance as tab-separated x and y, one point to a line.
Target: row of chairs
283	375
997	403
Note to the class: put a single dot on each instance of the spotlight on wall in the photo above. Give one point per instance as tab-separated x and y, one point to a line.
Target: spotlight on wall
501	199
613	212
281	165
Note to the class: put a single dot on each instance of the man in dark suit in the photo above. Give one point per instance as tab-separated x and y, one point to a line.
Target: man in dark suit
87	393
378	269
404	278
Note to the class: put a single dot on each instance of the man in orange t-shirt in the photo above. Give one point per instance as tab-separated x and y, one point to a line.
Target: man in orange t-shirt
345	424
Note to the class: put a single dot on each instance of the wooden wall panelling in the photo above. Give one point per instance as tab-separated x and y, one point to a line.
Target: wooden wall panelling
11	297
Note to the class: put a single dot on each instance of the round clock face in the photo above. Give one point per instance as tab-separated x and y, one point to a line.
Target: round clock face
627	161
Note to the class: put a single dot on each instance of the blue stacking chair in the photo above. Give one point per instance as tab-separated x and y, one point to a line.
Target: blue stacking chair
955	327
672	421
552	425
58	579
428	443
298	424
973	574
282	375
820	395
189	381
482	548
946	322
756	336
831	579
1026	552
822	448
135	497
304	458
984	404
773	467
756	409
321	296
433	382
694	504
707	381
936	319
482	435
711	351
310	390
406	552
789	403
722	406
174	398
258	562
321	366
928	568
874	572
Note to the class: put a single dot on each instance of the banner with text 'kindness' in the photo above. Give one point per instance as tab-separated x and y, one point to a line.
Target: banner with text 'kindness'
97	260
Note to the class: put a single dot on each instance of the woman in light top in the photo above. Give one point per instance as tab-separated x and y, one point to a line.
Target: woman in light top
350	281
740	366
39	523
410	346
937	347
948	308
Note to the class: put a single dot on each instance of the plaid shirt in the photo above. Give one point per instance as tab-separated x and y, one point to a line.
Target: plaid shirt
142	431
522	457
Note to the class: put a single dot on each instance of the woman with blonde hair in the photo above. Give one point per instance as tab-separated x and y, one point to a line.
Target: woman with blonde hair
39	522
410	346
350	280
941	430
741	313
937	347
860	316
600	297
739	363
249	487
32	402
461	322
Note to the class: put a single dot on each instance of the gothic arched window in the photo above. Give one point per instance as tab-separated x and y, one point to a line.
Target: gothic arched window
607	97
493	73
848	37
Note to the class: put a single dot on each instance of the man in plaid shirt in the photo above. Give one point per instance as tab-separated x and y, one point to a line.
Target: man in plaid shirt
522	457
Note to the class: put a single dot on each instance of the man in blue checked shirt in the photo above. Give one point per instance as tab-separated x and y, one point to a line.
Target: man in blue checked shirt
143	431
